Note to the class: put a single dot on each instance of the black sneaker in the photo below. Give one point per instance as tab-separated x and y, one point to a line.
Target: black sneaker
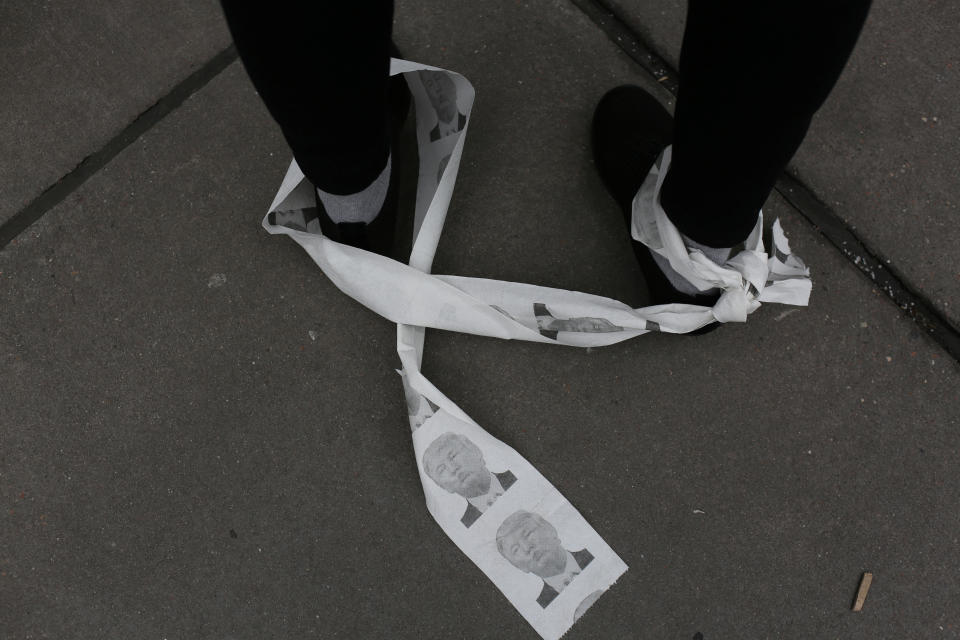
630	129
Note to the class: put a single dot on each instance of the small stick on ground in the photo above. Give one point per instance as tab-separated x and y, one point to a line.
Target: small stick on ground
862	592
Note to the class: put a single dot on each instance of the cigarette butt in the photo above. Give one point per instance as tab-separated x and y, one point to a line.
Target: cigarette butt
862	592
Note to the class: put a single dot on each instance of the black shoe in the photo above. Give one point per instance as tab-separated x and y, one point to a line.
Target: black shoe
630	129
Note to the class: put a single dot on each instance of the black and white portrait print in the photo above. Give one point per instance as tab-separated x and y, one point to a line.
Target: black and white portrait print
456	464
532	545
419	408
550	326
442	93
299	219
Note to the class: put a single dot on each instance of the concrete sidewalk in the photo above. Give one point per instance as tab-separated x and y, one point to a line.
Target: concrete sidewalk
180	457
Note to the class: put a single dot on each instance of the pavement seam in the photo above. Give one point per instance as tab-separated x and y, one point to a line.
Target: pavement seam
93	163
884	276
868	261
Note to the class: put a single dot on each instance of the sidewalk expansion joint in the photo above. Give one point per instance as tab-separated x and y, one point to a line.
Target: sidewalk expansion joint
879	272
89	166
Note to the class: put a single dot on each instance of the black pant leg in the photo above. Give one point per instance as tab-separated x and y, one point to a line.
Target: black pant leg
322	68
752	74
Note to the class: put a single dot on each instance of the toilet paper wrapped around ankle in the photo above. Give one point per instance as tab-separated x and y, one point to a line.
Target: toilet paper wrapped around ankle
492	503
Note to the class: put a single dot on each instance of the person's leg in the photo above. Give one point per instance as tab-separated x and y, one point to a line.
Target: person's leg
752	74
322	69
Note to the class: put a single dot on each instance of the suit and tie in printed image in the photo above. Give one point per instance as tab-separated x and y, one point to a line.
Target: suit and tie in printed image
442	93
532	545
419	408
306	220
550	326
456	464
512	522
445	100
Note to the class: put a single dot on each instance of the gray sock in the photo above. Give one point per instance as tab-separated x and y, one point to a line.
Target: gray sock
362	206
679	282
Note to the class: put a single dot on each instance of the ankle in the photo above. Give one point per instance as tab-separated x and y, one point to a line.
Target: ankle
705	225
360	207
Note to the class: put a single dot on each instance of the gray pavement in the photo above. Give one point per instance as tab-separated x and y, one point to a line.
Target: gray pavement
179	458
75	73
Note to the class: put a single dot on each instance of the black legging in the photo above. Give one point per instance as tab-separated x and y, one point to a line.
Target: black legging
322	68
752	74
